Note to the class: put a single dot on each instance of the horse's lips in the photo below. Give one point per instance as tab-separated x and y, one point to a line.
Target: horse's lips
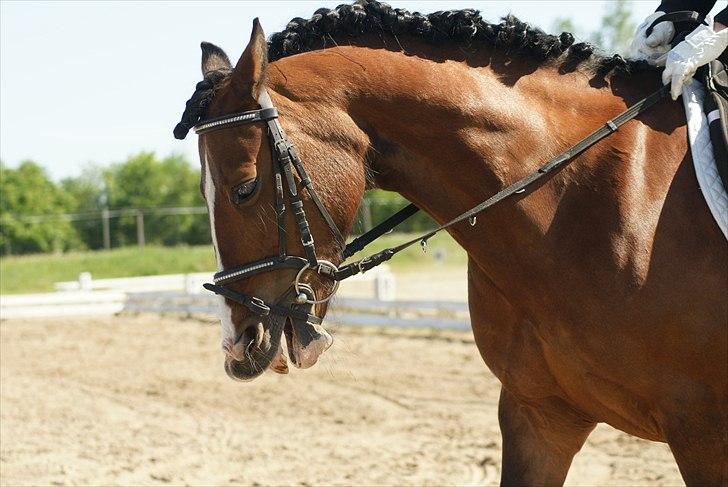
304	353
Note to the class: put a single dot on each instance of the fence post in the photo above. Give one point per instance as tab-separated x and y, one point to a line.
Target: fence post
105	225
85	281
385	286
140	228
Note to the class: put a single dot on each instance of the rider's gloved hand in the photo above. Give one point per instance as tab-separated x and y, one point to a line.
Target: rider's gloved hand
700	47
657	44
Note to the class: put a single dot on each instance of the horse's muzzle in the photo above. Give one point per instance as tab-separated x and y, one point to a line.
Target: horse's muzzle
258	346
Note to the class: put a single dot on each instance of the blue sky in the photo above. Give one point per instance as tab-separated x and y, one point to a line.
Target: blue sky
92	82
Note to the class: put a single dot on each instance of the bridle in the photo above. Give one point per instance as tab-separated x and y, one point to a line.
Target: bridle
285	161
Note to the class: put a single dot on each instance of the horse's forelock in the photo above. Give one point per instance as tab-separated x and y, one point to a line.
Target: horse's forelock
196	106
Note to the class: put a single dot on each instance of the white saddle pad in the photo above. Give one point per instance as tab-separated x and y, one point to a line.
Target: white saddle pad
703	157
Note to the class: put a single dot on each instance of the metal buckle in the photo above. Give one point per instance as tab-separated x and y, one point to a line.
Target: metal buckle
298	286
309	243
361	263
258	306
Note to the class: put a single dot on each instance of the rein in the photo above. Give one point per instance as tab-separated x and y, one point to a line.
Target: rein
285	156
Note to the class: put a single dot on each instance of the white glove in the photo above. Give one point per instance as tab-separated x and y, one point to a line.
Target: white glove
700	47
657	44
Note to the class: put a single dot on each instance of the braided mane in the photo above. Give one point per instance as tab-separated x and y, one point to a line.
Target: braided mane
462	27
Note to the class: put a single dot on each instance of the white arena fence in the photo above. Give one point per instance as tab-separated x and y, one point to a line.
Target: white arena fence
367	301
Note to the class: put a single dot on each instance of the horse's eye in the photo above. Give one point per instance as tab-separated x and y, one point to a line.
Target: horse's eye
243	191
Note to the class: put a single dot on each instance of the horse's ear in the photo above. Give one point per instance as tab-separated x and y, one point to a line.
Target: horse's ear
249	74
213	59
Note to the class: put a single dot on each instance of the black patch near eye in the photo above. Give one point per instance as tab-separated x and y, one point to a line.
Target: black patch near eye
243	191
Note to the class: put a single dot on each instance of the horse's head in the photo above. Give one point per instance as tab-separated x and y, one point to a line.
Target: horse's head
276	245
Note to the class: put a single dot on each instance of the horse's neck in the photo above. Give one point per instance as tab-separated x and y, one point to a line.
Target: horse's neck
447	135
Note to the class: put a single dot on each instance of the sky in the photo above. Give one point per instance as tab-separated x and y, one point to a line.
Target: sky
94	82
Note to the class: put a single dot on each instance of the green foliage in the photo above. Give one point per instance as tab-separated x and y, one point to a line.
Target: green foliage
617	30
141	182
87	193
565	24
615	33
381	205
28	191
144	181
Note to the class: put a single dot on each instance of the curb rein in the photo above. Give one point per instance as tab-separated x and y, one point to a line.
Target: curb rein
285	156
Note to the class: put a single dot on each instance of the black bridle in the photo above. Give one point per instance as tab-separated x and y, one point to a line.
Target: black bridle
284	156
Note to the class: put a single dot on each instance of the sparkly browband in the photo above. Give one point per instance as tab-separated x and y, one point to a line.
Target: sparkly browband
239	118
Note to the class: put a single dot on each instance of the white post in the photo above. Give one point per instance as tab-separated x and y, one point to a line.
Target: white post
385	288
85	282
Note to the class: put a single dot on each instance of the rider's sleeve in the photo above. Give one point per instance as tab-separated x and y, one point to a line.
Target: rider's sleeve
700	6
722	16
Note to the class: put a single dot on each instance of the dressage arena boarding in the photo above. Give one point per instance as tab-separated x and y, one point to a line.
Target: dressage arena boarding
141	399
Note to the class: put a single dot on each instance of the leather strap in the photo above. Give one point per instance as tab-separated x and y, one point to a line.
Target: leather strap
680	16
306	183
263	265
259	307
240	118
390	223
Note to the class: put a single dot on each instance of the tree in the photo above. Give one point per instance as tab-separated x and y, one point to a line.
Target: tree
145	182
565	24
27	192
86	193
617	30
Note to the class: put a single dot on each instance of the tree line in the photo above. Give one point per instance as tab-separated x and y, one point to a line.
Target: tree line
38	215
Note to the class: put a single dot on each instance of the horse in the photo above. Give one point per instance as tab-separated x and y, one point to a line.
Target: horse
597	296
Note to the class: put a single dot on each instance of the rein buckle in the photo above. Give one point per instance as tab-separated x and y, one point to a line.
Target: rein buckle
257	306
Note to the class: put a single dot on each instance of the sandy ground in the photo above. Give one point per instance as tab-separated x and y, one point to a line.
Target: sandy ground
144	400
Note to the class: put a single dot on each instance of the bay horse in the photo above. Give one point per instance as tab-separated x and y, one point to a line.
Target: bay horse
598	296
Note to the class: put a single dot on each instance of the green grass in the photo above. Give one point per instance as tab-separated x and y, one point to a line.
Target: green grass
37	273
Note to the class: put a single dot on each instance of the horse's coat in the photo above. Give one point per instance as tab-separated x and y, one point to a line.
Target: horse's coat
599	296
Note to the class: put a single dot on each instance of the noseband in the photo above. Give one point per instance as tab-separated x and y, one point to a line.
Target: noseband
284	157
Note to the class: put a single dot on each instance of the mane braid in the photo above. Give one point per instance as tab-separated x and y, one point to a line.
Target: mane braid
196	106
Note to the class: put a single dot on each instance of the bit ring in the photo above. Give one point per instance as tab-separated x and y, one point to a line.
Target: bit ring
321	263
